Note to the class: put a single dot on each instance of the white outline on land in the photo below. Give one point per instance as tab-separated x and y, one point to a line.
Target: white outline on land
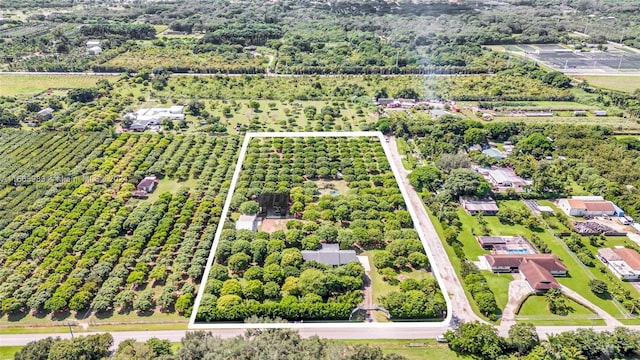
314	325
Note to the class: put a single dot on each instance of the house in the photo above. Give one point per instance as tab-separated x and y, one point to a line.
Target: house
479	206
45	114
148	184
247	222
623	262
539	278
510	263
503	179
330	254
587	206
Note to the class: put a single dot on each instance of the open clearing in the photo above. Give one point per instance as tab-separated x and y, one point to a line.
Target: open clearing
11	85
626	82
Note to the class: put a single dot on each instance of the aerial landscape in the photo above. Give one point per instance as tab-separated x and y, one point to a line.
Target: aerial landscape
298	179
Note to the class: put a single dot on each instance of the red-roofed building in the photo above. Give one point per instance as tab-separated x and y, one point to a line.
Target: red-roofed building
511	262
630	256
538	269
539	278
587	207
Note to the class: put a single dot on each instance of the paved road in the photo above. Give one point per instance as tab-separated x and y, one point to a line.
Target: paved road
439	258
330	333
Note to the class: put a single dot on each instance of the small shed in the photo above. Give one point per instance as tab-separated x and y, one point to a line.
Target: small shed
45	114
247	222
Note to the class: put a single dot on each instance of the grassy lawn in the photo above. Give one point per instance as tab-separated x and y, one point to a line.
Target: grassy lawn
170	186
623	82
7	352
499	284
379	287
429	348
535	310
11	85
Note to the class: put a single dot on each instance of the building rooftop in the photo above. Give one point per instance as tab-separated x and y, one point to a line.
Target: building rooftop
591	205
549	261
330	254
629	256
487	204
537	276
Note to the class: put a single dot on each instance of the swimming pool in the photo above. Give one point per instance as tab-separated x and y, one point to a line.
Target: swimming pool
517	251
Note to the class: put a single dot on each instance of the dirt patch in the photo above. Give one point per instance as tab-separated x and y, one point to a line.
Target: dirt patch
332	187
273	225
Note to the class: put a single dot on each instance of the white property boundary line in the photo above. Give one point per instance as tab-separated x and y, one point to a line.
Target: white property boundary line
358	325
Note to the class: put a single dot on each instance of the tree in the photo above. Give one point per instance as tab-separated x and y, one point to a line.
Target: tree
474	338
466	182
291	257
312	281
184	304
80	301
252	289
231	287
425	177
475	136
523	337
249	208
383	259
449	162
131	349
144	301
36	350
194	107
160	346
239	262
555	300
535	144
418	260
598	287
254	105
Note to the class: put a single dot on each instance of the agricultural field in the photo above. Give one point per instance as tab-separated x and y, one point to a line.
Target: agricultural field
85	250
275	270
12	85
626	82
182	58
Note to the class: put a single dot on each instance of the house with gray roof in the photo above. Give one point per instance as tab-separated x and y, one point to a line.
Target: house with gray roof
330	254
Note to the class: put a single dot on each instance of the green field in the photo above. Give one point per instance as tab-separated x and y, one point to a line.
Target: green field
11	85
617	123
625	82
534	309
7	352
416	349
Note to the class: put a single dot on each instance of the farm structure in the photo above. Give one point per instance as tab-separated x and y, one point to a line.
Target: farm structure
144	119
587	206
504	179
473	206
623	262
